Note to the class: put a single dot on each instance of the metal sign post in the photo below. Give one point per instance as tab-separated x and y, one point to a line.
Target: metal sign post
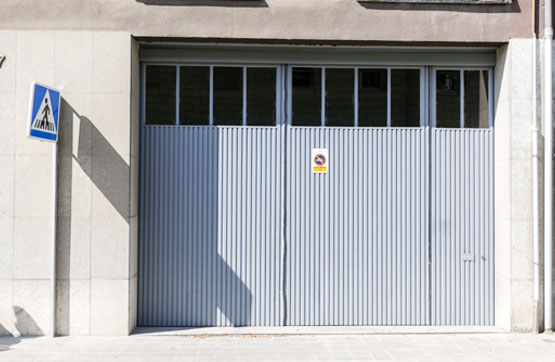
43	124
53	240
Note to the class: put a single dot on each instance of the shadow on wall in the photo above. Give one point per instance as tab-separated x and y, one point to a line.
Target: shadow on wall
220	3
208	291
81	142
186	280
98	159
7	340
25	326
444	5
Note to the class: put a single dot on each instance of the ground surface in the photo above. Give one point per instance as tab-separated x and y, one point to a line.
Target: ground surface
430	347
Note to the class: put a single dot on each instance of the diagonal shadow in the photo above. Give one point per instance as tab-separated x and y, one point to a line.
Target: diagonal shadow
439	6
25	326
201	279
7	339
184	277
81	142
208	3
109	172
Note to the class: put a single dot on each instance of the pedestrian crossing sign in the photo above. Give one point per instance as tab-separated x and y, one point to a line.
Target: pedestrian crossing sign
44	113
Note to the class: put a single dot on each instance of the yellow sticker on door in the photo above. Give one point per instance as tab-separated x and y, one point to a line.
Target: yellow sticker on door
319	160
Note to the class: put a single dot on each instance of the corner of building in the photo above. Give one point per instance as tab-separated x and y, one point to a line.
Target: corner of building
515	103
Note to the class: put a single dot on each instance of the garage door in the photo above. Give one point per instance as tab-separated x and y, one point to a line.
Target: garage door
237	228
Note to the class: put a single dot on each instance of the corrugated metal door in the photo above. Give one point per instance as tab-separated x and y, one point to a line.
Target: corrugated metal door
210	226
462	227
357	235
399	231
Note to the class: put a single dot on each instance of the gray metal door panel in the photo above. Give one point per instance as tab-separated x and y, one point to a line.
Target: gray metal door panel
210	226
462	227
357	236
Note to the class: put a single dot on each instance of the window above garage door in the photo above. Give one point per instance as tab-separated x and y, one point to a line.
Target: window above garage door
203	95
312	88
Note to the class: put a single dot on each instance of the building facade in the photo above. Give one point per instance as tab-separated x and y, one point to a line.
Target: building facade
272	162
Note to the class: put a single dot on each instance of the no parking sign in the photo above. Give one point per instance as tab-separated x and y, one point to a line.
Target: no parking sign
319	160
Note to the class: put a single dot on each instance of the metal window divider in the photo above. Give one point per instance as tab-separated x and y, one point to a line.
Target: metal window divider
433	87
490	98
323	100
388	97
244	95
461	97
177	89
423	97
355	98
211	98
283	121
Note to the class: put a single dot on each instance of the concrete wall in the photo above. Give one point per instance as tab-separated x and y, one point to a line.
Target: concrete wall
336	20
513	186
97	210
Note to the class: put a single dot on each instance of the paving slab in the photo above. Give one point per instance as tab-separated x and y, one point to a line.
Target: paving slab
484	347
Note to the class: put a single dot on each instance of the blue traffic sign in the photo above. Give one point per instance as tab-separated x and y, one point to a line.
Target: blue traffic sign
44	113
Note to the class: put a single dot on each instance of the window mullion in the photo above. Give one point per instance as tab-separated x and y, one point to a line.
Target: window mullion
244	96
490	98
323	101
278	97
433	96
211	97
388	97
143	95
177	86
423	87
462	97
289	95
355	105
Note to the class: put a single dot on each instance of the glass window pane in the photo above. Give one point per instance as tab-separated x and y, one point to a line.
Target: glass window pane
340	85
307	97
194	95
160	94
261	96
405	98
372	97
476	99
448	101
228	96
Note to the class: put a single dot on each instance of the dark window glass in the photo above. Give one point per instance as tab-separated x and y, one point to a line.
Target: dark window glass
307	97
160	94
194	95
340	97
228	96
448	99
405	98
261	96
476	99
372	97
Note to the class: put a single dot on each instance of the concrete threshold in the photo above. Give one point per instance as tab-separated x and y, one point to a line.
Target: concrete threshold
313	330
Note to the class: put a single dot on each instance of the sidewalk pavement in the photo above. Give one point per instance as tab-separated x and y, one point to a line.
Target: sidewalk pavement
379	347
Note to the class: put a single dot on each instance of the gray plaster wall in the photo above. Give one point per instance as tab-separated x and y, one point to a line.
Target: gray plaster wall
317	20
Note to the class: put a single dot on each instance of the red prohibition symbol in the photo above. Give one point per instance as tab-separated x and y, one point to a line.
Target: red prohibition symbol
320	159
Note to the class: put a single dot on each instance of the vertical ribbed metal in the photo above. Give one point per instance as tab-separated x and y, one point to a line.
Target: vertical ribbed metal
210	226
462	227
357	236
